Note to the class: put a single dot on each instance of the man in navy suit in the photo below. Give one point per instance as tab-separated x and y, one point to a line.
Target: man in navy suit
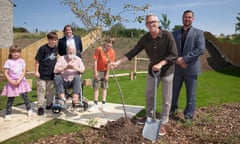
69	39
190	45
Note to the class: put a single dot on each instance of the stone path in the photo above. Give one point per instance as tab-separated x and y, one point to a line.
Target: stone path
21	123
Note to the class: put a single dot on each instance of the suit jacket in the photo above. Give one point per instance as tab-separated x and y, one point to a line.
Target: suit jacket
62	46
193	47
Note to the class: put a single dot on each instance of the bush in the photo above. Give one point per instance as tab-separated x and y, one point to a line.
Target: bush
20	30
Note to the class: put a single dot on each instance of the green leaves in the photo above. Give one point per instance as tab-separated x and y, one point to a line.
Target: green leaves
97	13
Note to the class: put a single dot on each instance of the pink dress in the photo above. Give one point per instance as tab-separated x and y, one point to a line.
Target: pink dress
15	69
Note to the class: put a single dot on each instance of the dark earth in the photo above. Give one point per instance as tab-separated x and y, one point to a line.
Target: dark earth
212	125
216	124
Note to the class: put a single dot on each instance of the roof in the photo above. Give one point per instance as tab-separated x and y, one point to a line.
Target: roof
12	3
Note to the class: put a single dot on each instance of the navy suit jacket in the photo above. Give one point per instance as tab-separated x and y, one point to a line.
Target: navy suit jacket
62	46
193	47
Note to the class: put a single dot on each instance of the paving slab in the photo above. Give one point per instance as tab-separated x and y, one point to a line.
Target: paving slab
21	123
98	118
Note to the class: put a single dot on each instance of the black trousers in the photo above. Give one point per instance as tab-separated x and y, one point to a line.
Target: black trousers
11	100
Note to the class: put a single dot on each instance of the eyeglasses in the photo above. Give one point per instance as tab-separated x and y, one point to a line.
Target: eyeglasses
151	22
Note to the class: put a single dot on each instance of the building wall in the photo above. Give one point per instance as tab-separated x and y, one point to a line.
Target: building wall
6	23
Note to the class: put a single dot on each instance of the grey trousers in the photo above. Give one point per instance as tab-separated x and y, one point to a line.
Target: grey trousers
60	84
167	83
44	90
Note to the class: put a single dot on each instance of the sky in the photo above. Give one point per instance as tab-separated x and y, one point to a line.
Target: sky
215	16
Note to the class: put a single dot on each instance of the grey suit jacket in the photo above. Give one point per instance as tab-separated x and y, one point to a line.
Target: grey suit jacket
194	47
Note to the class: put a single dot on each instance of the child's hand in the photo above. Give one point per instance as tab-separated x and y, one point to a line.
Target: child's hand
37	74
95	75
106	78
18	81
13	82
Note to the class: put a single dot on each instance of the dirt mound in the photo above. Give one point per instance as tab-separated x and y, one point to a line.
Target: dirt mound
210	60
216	124
23	42
122	131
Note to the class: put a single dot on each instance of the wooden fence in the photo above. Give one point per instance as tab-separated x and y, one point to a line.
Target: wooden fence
28	53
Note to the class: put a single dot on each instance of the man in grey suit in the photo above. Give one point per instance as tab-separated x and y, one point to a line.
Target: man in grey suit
190	45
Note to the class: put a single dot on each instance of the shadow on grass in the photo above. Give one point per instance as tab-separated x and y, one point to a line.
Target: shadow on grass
233	71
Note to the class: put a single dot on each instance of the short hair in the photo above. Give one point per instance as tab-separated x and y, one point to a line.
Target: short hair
66	26
71	46
52	35
149	15
188	11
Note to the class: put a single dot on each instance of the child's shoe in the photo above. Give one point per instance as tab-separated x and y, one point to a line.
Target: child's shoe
30	113
40	111
93	108
104	109
49	107
7	118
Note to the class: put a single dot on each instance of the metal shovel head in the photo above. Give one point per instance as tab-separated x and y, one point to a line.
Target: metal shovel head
151	129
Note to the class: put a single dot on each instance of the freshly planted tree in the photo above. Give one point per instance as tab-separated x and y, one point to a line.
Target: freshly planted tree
96	13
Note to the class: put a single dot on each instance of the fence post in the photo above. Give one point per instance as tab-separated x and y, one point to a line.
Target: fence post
135	68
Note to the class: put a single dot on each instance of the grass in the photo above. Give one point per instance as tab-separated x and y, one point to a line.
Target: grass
53	127
214	88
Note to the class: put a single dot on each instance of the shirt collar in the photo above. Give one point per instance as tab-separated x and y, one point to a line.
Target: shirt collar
159	34
182	30
68	38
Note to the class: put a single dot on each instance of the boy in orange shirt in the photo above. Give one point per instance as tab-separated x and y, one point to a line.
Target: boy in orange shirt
102	57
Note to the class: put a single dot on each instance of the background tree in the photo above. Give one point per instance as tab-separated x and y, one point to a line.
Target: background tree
176	27
20	30
116	28
95	14
165	22
237	28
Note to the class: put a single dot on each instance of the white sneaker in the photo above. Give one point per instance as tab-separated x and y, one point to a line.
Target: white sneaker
7	118
93	108
30	113
104	109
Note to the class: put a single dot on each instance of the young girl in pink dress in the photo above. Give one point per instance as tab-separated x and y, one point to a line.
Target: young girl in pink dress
14	71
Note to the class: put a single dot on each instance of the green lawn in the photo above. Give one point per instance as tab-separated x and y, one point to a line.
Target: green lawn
214	88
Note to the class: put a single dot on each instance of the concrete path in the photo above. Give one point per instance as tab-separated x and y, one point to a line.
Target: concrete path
21	123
